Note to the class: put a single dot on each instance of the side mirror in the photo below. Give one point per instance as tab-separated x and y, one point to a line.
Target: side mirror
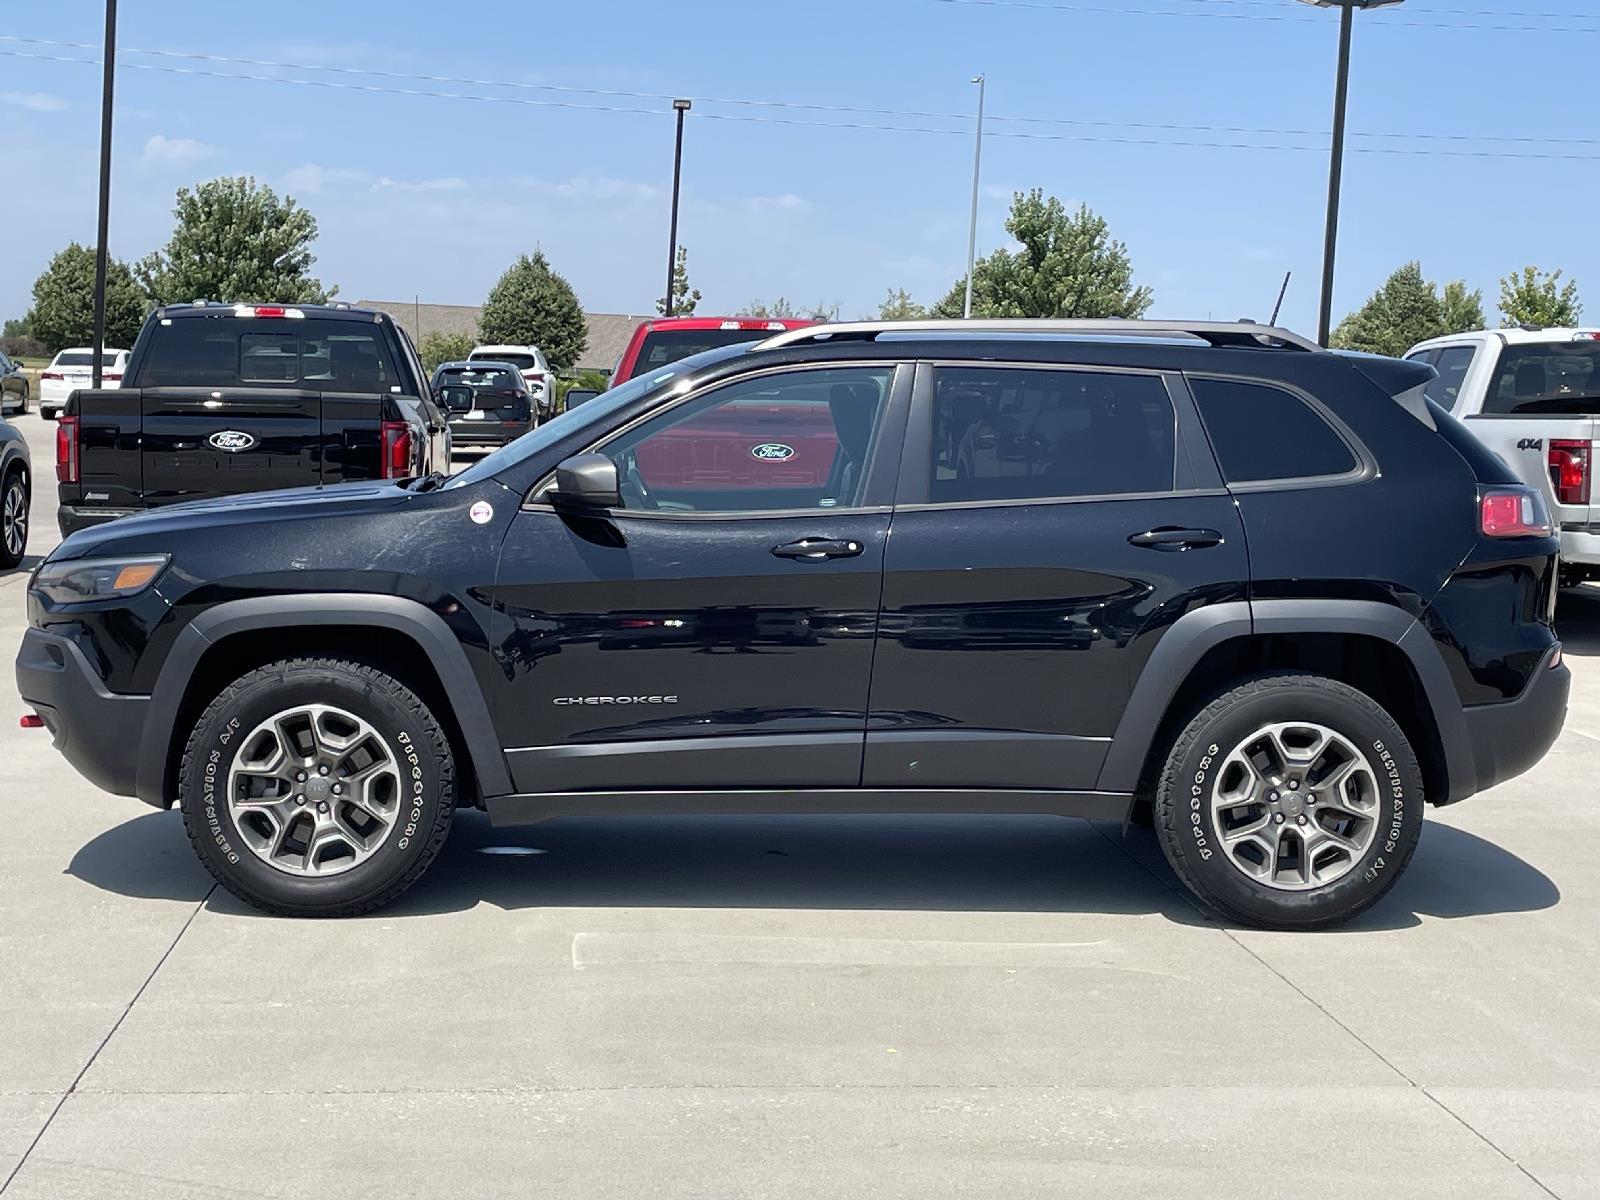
577	396
587	481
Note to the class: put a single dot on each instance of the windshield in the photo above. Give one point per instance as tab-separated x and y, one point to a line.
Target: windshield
595	412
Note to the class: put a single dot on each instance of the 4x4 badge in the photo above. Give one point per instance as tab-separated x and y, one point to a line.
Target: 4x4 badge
772	452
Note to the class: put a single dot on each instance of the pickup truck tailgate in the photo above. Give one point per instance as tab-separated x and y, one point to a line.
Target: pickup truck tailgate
197	445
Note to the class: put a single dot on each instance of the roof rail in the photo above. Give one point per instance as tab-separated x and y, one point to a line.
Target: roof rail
1215	333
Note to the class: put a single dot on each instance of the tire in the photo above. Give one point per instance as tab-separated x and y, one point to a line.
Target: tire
14	516
1218	811
303	849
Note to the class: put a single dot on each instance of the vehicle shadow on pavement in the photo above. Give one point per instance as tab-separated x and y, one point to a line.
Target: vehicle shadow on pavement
1578	620
954	864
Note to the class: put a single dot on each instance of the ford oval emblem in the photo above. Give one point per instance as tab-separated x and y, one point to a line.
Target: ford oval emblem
232	441
772	452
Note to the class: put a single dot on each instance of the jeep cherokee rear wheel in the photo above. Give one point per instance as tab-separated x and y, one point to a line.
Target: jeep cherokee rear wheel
1290	802
317	787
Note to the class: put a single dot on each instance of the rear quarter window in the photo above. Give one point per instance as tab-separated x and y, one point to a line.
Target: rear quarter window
1265	434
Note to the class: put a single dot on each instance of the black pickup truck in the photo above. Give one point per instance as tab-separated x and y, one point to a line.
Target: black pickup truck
227	398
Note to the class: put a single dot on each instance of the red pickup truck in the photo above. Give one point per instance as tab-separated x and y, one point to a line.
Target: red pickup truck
656	343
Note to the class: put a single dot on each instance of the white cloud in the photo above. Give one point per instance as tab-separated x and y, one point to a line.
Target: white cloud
35	101
176	151
451	183
313	178
787	202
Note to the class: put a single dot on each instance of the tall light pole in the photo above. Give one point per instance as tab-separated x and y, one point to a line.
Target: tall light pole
1341	95
977	169
108	78
680	107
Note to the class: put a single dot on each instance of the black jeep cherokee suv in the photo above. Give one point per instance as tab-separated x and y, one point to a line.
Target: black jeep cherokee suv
1270	595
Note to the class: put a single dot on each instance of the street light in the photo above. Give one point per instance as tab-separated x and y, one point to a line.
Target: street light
680	107
972	233
108	77
1336	166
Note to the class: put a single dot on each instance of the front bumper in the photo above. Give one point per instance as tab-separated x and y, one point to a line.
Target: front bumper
71	518
1509	737
97	731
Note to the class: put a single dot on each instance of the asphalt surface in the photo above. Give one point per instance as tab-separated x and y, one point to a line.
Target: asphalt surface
783	1007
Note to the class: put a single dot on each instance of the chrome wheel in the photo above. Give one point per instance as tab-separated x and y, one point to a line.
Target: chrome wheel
14	519
314	790
1295	806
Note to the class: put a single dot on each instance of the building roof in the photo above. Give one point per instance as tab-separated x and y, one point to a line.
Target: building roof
608	332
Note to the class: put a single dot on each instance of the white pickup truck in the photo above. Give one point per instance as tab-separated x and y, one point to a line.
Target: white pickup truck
1533	397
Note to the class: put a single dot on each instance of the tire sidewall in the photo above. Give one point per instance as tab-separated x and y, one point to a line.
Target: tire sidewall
1207	744
219	737
13	482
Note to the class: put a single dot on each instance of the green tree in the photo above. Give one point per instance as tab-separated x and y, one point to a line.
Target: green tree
683	299
1531	297
531	305
780	309
436	348
236	239
899	306
1068	266
15	327
1460	309
63	302
1406	310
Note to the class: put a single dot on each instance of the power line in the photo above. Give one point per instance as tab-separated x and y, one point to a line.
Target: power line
1389	20
1207	144
854	110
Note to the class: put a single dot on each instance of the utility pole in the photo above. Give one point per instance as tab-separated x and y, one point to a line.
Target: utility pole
108	80
681	107
977	170
1341	96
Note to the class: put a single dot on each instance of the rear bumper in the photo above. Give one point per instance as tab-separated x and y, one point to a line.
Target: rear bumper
97	731
71	518
1510	737
466	438
1580	546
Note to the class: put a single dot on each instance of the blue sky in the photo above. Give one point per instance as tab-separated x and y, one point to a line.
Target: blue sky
434	196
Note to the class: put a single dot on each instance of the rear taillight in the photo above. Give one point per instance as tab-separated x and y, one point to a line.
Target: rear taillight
112	377
1506	512
398	450
67	450
1569	470
57	376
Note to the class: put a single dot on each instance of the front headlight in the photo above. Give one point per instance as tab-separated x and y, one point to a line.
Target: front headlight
97	578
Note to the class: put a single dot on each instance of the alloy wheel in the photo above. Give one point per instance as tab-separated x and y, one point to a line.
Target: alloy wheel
14	519
1295	806
314	790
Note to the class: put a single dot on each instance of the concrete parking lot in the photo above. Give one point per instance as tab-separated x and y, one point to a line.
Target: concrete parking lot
788	1007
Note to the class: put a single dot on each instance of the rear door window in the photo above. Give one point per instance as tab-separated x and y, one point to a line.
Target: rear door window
1552	377
1452	363
329	356
1018	433
1264	434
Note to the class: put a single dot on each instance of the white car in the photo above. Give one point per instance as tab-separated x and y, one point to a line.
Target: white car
72	369
536	373
1533	397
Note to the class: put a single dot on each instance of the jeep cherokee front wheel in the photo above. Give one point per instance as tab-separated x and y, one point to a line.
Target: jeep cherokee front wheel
317	787
1290	802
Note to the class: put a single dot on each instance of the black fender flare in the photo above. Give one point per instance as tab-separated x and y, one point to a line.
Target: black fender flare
423	626
1195	633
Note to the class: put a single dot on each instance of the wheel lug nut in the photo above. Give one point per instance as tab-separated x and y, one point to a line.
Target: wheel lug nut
323	770
1294	785
1273	797
1278	818
299	776
338	789
322	808
299	799
1301	819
